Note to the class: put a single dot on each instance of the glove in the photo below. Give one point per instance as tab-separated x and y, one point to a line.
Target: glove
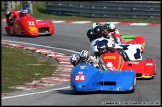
105	34
12	21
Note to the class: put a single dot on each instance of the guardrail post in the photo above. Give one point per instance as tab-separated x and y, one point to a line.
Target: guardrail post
30	7
7	5
24	4
17	3
12	5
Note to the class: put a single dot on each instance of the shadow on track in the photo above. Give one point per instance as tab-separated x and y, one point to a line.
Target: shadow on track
145	78
70	92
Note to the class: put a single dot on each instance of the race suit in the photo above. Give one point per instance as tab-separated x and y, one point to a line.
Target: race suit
133	51
97	62
14	16
114	36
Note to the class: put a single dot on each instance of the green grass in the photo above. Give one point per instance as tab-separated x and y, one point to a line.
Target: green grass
39	10
18	68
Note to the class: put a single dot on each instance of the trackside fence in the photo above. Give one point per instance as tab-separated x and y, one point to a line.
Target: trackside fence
107	9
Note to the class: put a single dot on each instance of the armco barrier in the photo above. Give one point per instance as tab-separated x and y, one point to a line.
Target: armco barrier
107	9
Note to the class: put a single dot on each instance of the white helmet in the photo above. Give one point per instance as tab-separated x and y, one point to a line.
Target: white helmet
112	27
74	59
84	55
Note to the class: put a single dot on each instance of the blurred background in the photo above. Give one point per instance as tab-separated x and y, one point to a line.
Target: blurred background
128	11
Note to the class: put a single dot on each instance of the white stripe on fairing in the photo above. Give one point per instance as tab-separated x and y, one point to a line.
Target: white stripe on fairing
42	46
149	64
140	24
35	93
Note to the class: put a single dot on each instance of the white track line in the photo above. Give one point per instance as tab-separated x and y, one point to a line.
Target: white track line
42	46
40	91
35	93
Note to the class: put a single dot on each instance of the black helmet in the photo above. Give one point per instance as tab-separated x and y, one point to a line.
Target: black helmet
90	34
102	47
7	13
106	26
98	31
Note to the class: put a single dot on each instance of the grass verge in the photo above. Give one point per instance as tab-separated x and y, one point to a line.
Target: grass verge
20	67
39	10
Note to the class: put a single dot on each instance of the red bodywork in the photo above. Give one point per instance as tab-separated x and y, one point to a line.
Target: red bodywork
28	26
143	69
137	40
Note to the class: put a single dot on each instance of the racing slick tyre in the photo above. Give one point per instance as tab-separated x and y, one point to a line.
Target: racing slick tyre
132	91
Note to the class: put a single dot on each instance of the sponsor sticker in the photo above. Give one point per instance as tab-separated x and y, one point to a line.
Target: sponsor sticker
32	28
109	57
82	67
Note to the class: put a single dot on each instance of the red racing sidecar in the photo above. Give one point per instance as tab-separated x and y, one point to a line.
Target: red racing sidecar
28	26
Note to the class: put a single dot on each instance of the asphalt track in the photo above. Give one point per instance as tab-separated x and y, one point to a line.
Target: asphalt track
73	37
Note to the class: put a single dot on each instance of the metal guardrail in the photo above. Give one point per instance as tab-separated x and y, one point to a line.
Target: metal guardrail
107	9
11	5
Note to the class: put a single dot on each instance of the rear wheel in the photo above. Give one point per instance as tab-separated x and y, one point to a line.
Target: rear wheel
152	77
132	91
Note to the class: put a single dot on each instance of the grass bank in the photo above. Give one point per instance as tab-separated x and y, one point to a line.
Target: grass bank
39	10
20	67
